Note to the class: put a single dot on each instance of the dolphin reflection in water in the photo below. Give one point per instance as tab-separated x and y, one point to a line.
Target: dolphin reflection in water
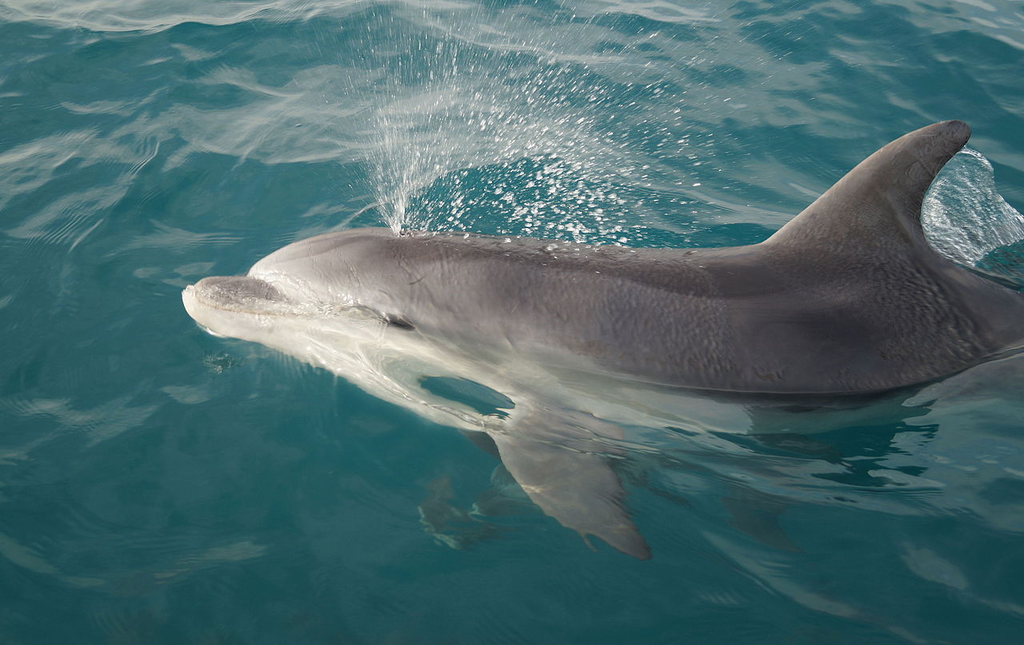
846	299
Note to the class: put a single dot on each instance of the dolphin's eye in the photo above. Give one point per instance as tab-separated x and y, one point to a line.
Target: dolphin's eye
398	321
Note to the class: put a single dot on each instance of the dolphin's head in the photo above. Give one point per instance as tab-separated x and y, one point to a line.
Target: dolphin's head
337	301
338	277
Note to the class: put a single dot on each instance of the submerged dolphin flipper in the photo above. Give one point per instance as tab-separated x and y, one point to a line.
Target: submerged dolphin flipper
561	462
575	486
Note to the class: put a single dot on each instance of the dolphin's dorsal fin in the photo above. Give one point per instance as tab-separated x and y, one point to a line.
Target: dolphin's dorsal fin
878	203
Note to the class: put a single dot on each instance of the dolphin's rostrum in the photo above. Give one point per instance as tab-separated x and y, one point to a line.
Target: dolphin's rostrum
847	298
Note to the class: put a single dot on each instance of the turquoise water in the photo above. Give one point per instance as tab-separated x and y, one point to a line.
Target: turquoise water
161	485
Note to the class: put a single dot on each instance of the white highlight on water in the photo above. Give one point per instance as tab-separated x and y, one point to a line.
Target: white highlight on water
964	216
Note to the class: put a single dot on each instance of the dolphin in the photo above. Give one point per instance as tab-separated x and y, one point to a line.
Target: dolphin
847	298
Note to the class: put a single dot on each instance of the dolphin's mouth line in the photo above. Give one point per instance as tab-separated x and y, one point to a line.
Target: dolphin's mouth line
316	310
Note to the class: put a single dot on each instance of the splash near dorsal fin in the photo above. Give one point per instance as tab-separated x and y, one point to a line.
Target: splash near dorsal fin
878	203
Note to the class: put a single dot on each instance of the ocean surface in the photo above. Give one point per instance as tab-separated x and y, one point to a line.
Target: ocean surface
162	485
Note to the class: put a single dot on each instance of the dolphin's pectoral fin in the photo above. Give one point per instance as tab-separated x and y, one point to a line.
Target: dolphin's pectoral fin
878	203
575	487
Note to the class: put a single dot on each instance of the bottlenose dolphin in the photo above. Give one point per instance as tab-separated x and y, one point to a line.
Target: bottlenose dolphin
847	298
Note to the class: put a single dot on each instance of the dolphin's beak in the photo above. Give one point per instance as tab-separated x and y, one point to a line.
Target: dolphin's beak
227	304
236	293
